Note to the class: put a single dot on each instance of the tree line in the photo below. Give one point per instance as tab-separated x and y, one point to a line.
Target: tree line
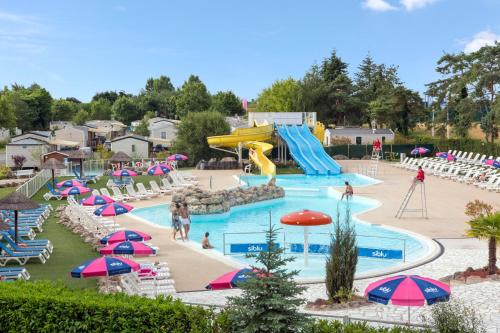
466	92
32	108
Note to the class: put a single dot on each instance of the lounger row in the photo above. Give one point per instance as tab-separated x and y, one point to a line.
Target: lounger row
152	280
471	158
481	176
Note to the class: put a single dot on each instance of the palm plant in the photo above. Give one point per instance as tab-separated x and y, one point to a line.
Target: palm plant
487	226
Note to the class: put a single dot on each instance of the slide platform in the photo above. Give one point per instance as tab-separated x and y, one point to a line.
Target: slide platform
250	138
307	151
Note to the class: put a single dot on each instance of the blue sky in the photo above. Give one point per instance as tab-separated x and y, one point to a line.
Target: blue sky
77	48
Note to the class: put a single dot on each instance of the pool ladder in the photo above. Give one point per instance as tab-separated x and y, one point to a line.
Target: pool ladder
423	201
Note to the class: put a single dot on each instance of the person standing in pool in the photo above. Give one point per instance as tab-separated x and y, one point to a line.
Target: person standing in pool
176	222
349	191
185	219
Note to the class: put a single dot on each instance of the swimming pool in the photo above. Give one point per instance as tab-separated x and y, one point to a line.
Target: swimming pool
246	224
309	181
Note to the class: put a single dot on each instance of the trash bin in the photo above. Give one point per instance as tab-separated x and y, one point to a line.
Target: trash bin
402	157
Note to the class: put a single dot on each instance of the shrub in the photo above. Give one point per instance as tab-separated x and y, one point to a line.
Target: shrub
49	307
4	172
454	317
341	261
18	160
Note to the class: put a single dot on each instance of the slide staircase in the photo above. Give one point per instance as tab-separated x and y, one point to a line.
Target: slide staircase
308	151
250	138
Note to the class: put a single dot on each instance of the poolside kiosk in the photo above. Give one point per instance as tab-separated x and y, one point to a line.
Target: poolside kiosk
306	218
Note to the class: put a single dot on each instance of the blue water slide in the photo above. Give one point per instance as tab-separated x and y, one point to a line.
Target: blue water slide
296	152
306	149
319	152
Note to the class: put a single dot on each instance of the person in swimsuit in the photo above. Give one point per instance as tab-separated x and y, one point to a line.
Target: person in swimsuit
185	220
348	191
176	222
205	243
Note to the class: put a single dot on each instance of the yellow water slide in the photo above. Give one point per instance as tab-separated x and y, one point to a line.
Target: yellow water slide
250	138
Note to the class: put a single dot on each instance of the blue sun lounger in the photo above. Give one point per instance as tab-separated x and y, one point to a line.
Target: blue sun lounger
21	257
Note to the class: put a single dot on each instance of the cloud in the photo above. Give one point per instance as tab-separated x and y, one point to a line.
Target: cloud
20	34
410	5
482	38
378	5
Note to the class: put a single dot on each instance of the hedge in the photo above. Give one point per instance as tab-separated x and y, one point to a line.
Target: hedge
50	307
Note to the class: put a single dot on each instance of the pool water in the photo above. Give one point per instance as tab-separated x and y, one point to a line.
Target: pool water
308	181
248	223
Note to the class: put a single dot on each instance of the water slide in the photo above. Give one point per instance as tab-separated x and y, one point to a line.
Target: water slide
307	151
250	138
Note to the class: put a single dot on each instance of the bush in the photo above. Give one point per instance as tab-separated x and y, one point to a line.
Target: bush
48	307
4	172
341	261
454	317
18	160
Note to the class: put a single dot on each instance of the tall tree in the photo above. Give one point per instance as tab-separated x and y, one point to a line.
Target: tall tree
81	117
159	85
100	109
282	96
7	115
271	298
193	97
227	103
193	131
125	110
35	111
63	109
111	96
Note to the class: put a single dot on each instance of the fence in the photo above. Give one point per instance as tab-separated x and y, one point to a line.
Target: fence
34	184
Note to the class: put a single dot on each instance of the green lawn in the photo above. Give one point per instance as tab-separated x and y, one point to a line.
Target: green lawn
69	249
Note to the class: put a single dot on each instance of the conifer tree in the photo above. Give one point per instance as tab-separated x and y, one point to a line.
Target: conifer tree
270	298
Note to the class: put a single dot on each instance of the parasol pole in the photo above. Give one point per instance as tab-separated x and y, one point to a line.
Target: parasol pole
408	315
15	226
306	246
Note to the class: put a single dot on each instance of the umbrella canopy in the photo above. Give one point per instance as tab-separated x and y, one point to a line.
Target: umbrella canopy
17	201
419	151
105	266
159	169
95	200
442	154
125	235
69	183
113	209
76	190
492	162
408	290
128	247
229	280
124	173
306	218
177	157
120	157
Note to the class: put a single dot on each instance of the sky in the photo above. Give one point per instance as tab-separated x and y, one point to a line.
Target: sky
79	48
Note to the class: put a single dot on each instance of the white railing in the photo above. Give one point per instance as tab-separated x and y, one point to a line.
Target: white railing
34	184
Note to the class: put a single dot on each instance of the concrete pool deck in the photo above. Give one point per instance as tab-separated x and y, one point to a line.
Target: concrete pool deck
446	200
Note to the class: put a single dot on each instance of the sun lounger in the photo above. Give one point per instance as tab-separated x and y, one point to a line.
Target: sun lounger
118	195
147	193
35	242
133	194
52	194
158	189
21	257
25	247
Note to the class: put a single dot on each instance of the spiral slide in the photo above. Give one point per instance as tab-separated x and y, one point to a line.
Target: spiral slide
250	138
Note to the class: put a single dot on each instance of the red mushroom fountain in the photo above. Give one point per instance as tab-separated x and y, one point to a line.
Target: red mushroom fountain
306	218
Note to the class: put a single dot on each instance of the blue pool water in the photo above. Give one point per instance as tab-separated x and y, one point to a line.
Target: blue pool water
247	223
308	181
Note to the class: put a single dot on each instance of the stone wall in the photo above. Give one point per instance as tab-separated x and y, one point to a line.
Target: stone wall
202	202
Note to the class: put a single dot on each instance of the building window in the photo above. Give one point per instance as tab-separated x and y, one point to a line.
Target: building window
163	135
358	140
383	139
133	148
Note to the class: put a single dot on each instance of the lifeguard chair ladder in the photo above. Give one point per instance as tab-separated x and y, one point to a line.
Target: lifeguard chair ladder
423	201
